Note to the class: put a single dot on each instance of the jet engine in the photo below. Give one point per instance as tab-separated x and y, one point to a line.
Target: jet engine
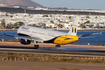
23	41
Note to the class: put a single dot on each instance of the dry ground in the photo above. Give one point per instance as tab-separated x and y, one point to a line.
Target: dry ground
12	65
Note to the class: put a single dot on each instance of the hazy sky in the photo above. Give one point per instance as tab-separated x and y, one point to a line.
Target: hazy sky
73	4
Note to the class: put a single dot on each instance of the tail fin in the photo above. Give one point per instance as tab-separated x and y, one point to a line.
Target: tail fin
73	29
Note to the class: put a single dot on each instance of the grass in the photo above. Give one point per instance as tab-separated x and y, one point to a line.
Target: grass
4	56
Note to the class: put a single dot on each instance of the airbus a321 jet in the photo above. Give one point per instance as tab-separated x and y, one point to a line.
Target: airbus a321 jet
28	34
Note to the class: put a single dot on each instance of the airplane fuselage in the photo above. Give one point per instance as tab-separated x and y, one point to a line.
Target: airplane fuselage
48	36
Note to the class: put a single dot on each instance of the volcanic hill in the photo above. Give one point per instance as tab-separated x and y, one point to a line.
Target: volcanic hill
20	3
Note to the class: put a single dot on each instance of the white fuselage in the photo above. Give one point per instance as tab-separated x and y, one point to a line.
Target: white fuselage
44	34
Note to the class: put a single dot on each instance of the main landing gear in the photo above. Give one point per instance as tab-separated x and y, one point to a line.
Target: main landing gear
57	45
36	46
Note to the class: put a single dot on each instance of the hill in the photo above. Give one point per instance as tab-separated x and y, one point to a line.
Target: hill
20	3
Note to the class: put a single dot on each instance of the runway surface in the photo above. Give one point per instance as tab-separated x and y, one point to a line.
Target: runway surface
50	50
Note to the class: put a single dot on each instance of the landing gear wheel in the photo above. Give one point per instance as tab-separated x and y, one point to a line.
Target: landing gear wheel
57	46
36	46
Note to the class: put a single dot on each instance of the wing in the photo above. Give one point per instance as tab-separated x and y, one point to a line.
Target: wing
86	35
26	38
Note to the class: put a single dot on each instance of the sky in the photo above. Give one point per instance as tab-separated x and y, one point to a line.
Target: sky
73	4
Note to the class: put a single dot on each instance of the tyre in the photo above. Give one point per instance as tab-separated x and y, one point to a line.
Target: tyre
36	46
57	46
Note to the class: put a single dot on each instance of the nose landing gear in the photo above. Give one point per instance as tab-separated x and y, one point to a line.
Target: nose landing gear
57	45
36	46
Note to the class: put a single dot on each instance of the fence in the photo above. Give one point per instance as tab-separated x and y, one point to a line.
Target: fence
90	42
50	58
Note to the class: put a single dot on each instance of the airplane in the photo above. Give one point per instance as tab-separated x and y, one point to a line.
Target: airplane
28	34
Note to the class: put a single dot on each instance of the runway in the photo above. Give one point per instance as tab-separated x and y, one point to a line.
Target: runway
51	51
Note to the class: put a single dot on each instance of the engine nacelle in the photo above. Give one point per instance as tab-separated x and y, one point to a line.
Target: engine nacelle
22	41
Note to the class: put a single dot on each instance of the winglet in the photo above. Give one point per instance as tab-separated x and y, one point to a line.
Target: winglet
100	33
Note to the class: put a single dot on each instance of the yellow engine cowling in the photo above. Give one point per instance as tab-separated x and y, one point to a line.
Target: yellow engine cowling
66	39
